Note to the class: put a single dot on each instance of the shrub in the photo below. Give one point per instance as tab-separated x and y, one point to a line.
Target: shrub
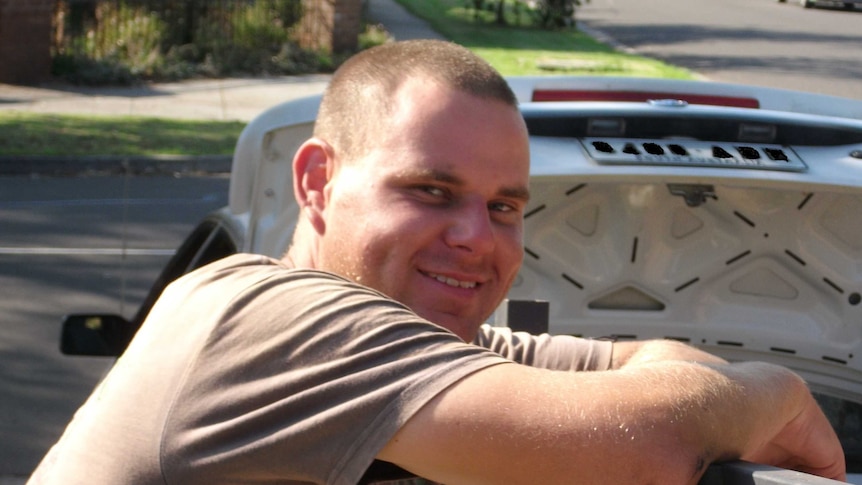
124	41
548	14
555	14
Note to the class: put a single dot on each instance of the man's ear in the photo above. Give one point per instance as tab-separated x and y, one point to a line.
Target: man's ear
312	168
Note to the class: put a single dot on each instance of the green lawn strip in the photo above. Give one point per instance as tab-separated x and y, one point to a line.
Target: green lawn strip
526	50
74	135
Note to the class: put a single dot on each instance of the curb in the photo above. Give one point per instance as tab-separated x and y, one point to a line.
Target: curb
71	166
604	38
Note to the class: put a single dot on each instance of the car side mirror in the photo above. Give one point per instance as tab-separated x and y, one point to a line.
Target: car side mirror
95	335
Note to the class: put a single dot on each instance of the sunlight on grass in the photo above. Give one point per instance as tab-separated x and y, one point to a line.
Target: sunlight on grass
543	62
39	134
526	50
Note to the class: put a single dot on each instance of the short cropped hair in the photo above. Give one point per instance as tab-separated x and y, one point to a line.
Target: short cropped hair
359	96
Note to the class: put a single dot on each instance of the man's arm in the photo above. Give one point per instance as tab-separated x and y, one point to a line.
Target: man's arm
660	422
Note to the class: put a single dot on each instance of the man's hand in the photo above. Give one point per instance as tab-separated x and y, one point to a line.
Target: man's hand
806	443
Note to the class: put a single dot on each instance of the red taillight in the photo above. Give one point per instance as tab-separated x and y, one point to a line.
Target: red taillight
641	96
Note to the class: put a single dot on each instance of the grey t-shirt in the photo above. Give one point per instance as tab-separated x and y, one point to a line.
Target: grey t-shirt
248	370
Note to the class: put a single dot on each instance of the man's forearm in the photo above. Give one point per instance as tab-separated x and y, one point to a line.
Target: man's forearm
660	422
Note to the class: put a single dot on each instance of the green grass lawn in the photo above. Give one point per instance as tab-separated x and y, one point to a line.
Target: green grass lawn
521	49
47	134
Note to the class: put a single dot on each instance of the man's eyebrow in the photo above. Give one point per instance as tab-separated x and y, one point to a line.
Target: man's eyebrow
440	176
517	192
520	193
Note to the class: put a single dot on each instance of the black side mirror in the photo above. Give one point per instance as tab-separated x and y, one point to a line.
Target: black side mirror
95	335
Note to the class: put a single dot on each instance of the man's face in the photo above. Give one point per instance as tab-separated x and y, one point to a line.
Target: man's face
432	213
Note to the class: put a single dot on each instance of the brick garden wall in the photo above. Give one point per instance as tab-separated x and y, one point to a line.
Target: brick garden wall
25	34
25	41
331	25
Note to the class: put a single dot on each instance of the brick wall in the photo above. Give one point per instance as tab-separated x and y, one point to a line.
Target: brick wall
348	20
25	41
331	25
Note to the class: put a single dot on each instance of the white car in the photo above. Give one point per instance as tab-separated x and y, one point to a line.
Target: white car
720	215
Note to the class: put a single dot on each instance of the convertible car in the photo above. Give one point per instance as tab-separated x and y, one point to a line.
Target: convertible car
720	215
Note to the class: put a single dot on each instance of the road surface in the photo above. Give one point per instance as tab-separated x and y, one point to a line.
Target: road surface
759	42
76	245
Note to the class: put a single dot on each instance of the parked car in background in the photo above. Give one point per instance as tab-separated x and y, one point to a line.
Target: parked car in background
720	215
848	4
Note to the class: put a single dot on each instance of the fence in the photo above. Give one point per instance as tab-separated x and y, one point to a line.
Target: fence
114	41
98	27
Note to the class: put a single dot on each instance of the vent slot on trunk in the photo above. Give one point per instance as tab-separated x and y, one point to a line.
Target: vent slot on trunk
620	151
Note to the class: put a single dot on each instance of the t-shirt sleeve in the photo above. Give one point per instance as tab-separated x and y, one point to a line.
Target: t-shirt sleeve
556	352
305	376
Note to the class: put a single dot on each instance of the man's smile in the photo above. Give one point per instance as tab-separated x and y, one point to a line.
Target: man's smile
452	281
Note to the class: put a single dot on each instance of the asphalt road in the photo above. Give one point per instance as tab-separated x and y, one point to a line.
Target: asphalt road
758	42
72	245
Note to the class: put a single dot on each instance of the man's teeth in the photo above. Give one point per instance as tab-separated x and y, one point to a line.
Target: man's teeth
453	281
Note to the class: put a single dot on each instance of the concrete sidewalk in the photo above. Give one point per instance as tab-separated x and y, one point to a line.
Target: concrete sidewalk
209	99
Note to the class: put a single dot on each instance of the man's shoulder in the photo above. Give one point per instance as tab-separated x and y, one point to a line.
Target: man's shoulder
245	261
257	272
263	266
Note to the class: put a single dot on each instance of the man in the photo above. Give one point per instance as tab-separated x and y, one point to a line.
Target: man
354	347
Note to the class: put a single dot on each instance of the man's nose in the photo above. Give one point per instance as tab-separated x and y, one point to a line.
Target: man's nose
471	228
